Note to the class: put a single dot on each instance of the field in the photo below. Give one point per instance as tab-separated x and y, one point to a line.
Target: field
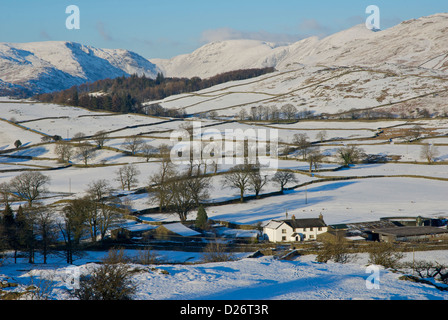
404	185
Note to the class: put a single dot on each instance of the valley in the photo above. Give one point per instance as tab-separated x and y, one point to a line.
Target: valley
350	130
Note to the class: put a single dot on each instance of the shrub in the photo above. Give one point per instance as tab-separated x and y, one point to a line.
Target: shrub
334	248
146	257
384	254
107	282
116	256
216	252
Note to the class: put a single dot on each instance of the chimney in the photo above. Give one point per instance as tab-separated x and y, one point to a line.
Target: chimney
321	216
293	218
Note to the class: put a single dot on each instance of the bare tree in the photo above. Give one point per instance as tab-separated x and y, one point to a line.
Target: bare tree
164	151
6	194
147	150
302	141
105	211
133	144
314	159
238	178
289	111
45	226
182	200
64	150
275	113
415	132
256	180
30	185
321	135
78	136
200	185
429	153
242	114
86	152
159	183
283	178
100	138
127	176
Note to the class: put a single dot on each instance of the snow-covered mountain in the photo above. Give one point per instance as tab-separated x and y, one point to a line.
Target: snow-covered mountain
416	43
50	66
56	65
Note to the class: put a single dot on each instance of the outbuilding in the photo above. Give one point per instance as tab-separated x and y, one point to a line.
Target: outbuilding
175	232
409	233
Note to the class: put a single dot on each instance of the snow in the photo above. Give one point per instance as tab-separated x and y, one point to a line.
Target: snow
180	229
9	133
355	200
355	46
52	65
312	75
57	65
320	90
247	279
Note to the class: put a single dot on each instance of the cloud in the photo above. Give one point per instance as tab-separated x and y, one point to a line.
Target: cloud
307	28
222	34
103	32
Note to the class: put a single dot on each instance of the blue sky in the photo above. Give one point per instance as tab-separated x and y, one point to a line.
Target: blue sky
163	29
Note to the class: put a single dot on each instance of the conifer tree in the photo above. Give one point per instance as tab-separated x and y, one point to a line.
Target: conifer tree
201	219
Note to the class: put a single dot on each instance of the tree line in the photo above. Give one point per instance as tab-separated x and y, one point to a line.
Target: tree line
127	94
36	226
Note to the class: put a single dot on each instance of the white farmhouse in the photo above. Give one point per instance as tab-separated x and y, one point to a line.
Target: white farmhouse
292	230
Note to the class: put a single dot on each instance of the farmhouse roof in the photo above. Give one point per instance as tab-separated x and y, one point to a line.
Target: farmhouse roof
410	231
297	223
180	229
305	223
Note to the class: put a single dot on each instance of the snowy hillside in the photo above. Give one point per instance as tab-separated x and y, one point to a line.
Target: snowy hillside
52	65
248	279
219	57
403	188
57	65
415	43
397	79
324	91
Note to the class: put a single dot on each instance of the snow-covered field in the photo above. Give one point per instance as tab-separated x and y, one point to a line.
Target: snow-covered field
331	77
246	278
327	195
320	90
409	188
